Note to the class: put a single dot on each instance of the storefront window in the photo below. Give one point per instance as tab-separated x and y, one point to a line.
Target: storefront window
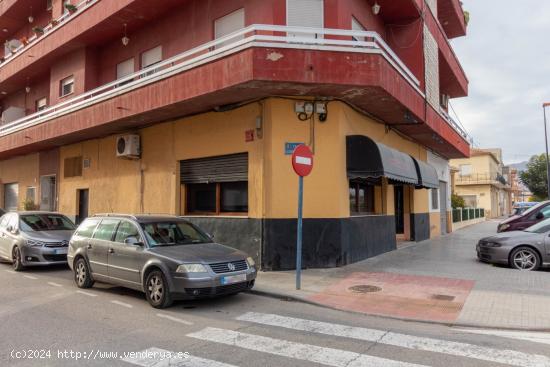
361	198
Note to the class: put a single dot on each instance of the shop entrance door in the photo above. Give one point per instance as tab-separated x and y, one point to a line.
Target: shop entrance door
399	203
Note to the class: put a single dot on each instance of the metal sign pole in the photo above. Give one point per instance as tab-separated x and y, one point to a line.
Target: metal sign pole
299	234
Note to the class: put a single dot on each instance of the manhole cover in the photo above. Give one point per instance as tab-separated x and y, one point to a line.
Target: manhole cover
364	288
442	297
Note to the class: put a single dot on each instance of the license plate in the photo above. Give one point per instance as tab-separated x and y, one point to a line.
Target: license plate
230	279
61	251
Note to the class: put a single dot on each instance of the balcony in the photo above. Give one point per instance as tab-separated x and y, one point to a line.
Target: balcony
265	60
495	179
451	17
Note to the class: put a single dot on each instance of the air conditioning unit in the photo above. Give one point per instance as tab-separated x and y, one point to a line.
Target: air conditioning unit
444	100
128	146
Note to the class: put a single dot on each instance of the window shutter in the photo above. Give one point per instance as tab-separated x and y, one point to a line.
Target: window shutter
229	24
151	57
227	168
125	68
305	13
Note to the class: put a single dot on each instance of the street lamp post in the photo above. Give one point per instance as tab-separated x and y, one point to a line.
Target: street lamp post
544	105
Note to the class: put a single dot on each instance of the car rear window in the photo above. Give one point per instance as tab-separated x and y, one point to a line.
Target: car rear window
87	228
106	229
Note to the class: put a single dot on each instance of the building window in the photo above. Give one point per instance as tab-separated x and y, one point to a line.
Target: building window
305	13
435	198
356	26
361	198
217	198
66	86
123	69
41	104
216	185
229	24
150	58
465	169
72	167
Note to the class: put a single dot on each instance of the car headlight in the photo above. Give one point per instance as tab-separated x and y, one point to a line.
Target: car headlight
34	243
250	261
191	268
493	244
502	227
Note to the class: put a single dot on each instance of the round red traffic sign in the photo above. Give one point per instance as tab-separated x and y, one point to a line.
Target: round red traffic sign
302	160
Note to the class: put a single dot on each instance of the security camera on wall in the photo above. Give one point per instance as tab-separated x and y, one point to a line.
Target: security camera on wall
128	146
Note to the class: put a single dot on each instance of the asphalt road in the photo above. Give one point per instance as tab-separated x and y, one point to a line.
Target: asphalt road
43	315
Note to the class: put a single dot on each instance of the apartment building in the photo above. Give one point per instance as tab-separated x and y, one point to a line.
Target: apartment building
193	107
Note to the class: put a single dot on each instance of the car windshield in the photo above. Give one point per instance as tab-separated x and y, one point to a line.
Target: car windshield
533	208
540	227
172	233
45	222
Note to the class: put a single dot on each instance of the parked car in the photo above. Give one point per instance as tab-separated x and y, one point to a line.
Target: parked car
525	250
522	206
35	238
166	257
526	219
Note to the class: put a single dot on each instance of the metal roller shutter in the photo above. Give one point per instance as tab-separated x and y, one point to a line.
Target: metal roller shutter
226	168
11	196
305	13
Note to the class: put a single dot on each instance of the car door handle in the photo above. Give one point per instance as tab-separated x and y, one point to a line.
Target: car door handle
111	251
89	246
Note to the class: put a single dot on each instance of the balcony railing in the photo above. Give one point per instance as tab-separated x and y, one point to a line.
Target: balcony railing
481	178
456	126
48	29
269	36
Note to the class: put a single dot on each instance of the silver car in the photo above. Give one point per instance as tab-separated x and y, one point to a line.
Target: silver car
164	256
34	238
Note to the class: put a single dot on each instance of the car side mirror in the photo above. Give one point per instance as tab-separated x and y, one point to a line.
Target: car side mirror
539	215
11	229
133	240
211	236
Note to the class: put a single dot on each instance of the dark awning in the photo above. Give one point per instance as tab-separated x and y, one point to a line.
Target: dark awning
368	159
427	175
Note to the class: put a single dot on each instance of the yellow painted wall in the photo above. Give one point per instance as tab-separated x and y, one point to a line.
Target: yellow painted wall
435	224
24	171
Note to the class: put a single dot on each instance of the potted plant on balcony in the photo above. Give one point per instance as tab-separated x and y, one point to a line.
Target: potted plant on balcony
38	31
54	22
24	41
71	8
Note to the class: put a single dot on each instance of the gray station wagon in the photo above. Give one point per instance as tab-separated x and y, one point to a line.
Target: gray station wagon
35	238
164	256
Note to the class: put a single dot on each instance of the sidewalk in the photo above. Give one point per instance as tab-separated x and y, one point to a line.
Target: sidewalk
438	280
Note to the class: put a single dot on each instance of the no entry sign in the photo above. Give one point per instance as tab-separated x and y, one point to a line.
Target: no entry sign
302	160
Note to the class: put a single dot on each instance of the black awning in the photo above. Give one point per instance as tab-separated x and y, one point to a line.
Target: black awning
427	175
368	159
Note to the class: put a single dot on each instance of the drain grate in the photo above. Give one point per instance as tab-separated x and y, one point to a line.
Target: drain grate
443	297
364	288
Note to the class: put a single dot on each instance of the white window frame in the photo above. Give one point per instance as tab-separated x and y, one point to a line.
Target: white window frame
66	81
143	66
357	26
49	5
462	170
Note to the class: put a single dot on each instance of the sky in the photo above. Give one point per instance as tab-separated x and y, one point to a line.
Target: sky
506	56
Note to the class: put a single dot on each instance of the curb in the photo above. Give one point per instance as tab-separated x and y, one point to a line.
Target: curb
286	297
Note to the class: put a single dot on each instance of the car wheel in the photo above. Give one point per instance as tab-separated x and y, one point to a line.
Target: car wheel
16	256
525	258
156	290
82	275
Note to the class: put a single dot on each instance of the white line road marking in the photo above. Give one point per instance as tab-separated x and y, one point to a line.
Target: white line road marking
30	277
303	352
87	293
127	305
54	284
10	271
155	357
531	336
505	356
175	319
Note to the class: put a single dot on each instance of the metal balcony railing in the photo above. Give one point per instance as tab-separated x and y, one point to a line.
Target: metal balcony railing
268	36
456	126
48	29
481	178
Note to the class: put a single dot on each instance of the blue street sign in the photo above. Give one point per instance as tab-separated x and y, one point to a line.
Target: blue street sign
289	147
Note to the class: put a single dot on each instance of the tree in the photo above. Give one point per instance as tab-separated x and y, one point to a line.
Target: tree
457	201
534	177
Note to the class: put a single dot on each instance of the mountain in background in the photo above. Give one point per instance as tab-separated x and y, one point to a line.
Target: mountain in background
521	166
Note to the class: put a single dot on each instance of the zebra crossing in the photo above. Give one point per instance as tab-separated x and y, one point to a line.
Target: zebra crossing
310	353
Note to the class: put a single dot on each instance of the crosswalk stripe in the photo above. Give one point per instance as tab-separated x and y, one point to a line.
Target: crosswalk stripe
175	319
163	358
87	293
55	284
304	352
535	337
10	271
505	356
30	277
123	304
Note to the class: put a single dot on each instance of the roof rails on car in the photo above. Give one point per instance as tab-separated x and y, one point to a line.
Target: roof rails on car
131	216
